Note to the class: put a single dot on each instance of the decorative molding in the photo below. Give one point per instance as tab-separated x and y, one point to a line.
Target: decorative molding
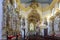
52	18
48	7
33	16
40	8
58	0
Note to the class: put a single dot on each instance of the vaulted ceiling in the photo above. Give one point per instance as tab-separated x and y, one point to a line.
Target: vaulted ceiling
40	1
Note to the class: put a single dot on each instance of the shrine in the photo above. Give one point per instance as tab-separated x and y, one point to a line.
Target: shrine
31	20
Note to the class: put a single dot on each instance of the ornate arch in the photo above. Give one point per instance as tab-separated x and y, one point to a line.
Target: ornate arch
33	18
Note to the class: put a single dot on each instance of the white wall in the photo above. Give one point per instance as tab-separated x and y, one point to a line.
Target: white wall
1	18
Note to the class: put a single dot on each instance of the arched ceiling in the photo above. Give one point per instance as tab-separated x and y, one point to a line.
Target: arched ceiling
40	1
44	5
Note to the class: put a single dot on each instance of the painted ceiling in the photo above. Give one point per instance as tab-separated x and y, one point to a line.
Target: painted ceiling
40	1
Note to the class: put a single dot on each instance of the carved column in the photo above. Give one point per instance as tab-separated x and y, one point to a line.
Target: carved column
52	19
58	18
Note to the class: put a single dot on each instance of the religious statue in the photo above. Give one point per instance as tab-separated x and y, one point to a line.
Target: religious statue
31	27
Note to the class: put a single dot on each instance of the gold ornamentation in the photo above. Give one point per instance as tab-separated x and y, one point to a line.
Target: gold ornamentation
49	7
57	13
34	16
52	18
58	0
34	6
22	7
